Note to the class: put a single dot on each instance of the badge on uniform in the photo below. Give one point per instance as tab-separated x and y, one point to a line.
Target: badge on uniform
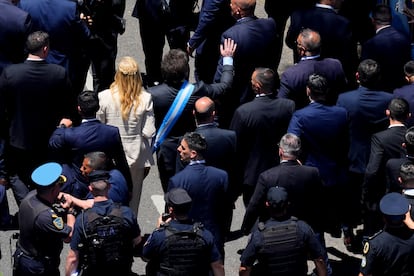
366	248
58	223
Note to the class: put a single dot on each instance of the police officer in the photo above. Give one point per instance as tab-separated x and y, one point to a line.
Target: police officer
281	245
162	248
42	230
104	236
391	251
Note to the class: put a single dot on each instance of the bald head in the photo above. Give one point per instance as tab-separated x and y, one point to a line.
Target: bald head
308	43
204	110
242	8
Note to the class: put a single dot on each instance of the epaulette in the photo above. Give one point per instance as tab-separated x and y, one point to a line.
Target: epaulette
376	234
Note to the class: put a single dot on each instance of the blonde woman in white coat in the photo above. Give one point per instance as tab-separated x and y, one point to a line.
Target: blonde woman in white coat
128	106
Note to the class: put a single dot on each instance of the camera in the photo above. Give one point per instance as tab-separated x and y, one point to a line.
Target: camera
165	216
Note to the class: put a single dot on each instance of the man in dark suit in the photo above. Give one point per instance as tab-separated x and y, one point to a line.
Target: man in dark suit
35	96
365	107
206	185
385	145
68	35
256	43
335	32
70	144
323	130
215	18
293	80
15	27
259	124
160	19
390	48
302	183
221	149
393	165
407	91
176	70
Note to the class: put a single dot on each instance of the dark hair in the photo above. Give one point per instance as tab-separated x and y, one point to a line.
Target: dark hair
36	41
369	72
399	109
175	67
318	86
382	14
88	103
99	161
409	141
409	68
196	142
268	78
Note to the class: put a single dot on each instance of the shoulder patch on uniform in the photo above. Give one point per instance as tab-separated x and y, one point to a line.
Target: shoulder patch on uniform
366	248
364	261
58	223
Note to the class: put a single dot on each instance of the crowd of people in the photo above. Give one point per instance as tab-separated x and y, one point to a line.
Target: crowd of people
325	148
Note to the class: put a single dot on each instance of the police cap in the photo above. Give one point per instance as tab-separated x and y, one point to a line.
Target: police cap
47	174
277	195
409	195
97	175
177	197
394	204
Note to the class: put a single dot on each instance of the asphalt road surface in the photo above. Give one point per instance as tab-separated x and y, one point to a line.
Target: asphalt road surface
342	261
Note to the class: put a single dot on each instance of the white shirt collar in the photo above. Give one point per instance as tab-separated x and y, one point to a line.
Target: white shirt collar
324	6
383	27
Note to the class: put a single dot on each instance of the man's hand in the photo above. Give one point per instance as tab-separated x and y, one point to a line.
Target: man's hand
4	182
67	202
190	50
408	220
86	18
228	48
66	122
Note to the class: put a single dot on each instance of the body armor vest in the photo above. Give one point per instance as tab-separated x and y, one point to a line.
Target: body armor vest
186	252
28	240
281	253
108	247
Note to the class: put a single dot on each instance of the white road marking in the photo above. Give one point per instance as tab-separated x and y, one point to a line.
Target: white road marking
159	203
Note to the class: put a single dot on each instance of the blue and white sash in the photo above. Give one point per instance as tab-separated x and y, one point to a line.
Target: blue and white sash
173	113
